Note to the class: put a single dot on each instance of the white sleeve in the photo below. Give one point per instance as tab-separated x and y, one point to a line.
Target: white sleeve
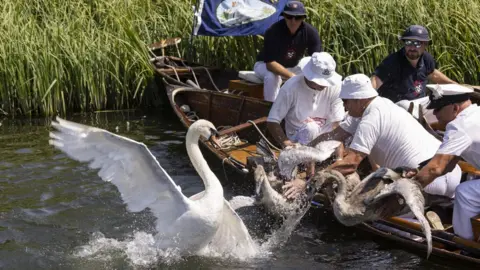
455	141
366	135
350	124
281	106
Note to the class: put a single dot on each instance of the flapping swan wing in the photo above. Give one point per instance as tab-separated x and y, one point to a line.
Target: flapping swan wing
232	236
413	196
128	164
290	158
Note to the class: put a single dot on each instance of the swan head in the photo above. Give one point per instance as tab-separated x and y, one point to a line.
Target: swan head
205	129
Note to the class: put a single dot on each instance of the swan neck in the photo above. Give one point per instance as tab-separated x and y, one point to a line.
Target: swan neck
210	180
342	187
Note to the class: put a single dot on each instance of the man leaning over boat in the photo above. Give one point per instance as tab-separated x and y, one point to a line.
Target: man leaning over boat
309	103
453	108
285	43
384	132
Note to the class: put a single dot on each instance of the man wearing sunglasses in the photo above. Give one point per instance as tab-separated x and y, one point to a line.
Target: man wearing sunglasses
404	74
452	106
284	47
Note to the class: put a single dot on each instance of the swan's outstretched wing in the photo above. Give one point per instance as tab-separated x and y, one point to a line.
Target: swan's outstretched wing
128	164
290	158
232	236
413	196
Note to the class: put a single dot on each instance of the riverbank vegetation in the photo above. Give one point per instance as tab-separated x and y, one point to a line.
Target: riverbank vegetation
64	56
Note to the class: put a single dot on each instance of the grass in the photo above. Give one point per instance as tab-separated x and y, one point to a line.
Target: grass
63	56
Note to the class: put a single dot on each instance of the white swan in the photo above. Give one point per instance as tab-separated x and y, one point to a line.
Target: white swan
203	223
268	179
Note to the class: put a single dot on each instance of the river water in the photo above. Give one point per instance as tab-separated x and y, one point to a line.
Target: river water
56	213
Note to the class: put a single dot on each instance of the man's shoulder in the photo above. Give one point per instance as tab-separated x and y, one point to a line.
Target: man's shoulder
393	58
310	27
276	27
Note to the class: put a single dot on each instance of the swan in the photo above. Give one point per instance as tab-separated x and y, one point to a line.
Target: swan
269	180
202	223
376	197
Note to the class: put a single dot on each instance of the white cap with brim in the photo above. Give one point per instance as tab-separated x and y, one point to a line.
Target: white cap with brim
445	94
357	86
321	70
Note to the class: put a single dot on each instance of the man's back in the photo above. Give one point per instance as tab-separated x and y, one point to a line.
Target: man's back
392	136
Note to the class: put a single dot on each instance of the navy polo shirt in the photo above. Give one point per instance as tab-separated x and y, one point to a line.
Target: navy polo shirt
286	49
400	79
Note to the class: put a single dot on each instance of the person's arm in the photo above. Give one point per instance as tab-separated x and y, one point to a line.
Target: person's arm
437	166
339	152
277	133
376	82
350	162
278	69
439	78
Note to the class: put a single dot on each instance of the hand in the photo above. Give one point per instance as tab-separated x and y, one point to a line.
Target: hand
294	188
409	173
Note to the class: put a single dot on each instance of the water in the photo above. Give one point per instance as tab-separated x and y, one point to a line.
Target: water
55	213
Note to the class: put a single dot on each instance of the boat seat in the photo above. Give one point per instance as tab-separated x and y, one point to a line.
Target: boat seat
249	88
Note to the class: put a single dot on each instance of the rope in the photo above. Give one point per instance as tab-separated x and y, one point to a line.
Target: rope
227	141
263	136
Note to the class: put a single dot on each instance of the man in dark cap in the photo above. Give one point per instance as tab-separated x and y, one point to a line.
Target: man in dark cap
285	44
452	107
404	74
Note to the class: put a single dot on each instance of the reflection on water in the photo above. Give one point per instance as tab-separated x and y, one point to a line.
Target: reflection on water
56	213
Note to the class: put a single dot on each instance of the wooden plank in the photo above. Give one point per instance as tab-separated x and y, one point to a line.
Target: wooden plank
252	89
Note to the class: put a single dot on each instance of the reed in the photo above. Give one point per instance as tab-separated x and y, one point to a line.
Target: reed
64	56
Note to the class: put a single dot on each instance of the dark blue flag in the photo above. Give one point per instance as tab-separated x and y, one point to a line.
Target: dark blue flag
236	17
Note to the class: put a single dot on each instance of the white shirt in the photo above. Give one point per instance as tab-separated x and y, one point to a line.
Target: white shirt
298	104
390	135
462	136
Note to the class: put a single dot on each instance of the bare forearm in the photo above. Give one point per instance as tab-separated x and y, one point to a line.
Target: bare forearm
278	69
440	78
277	133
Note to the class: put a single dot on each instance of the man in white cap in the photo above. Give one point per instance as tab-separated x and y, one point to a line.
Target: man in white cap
386	133
308	103
453	108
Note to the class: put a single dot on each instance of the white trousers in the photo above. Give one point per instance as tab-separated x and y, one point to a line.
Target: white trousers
310	131
467	205
271	81
446	184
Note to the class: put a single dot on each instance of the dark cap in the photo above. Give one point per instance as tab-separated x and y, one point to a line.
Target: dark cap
294	8
416	32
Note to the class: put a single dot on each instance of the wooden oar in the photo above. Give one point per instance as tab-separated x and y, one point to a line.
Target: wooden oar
435	238
443	234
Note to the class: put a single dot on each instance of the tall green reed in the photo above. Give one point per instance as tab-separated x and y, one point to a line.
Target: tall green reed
63	56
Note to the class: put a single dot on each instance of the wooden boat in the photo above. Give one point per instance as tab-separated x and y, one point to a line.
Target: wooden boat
173	71
239	117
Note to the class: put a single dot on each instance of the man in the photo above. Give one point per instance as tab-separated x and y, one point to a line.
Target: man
284	45
308	103
403	75
386	133
453	108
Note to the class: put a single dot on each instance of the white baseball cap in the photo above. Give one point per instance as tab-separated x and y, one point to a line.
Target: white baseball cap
321	70
357	86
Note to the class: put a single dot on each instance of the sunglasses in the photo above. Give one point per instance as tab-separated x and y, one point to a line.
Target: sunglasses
290	17
415	43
